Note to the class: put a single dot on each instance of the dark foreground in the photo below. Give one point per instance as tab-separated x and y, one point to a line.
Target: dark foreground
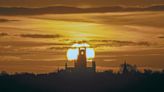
82	82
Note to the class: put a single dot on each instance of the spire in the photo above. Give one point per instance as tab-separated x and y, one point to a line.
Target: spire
66	65
94	66
125	69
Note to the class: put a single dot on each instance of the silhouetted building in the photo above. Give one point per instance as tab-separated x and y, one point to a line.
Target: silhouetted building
80	65
127	68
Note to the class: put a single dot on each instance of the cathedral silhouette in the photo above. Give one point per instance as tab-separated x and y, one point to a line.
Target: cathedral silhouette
80	65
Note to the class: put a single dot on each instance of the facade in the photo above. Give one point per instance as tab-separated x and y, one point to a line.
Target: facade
80	65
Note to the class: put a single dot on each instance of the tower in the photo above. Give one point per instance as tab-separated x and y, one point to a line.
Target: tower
81	62
80	65
124	68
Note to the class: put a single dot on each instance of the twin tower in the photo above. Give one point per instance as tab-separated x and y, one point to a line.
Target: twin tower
80	65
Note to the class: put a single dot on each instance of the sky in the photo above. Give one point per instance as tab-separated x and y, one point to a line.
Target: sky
36	34
79	3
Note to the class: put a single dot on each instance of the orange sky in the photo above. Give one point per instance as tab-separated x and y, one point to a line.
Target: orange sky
78	3
38	42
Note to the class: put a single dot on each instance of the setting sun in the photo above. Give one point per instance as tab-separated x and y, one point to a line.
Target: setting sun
73	52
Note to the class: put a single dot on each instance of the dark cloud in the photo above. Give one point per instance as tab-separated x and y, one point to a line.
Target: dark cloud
6	20
68	10
18	44
78	3
118	43
40	36
161	37
102	43
3	34
59	48
113	43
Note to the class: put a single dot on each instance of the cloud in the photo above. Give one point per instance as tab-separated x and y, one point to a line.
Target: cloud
3	34
59	48
116	43
6	20
123	43
161	37
78	3
69	10
129	20
40	36
18	44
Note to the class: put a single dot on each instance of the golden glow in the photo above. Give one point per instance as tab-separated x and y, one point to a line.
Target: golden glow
80	45
72	53
105	31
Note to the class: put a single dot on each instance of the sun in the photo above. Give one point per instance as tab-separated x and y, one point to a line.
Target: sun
73	52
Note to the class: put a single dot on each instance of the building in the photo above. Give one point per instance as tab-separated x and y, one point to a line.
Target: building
127	68
80	65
